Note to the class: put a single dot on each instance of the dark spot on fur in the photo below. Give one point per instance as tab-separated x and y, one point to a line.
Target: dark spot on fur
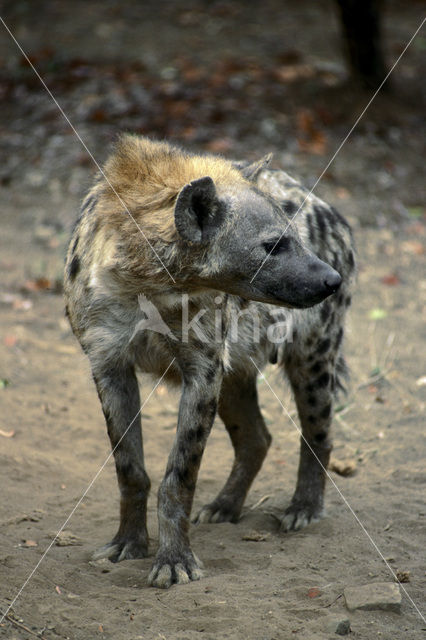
199	434
67	311
335	262
74	267
325	413
210	353
74	246
312	419
125	471
325	311
320	220
192	435
311	230
310	388
89	204
351	259
331	321
289	207
311	400
323	380
338	338
316	368
233	428
321	436
201	406
340	218
210	374
340	299
323	346
195	458
348	301
211	407
95	227
184	477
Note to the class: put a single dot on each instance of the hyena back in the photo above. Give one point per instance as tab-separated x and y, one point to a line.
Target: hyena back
176	227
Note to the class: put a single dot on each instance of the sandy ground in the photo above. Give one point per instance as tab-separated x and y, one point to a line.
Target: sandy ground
53	440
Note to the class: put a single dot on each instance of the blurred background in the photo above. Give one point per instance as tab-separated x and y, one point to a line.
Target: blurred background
239	78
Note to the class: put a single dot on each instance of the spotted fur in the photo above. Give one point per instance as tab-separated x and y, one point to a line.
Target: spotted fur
109	264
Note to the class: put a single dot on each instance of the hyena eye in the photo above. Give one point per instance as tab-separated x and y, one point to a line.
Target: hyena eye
279	245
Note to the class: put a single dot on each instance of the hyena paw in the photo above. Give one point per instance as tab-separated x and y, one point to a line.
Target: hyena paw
175	568
218	511
298	515
122	549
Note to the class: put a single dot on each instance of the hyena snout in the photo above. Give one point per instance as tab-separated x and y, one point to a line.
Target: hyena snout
328	279
324	281
308	281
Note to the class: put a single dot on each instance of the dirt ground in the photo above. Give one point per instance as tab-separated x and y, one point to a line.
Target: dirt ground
239	79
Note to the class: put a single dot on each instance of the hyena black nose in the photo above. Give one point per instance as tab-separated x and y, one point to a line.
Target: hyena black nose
332	281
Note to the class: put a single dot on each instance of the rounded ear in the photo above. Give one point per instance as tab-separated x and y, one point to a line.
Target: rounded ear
198	212
252	170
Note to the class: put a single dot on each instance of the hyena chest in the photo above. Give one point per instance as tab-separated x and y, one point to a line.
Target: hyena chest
211	329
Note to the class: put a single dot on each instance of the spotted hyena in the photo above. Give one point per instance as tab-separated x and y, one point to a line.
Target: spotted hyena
203	240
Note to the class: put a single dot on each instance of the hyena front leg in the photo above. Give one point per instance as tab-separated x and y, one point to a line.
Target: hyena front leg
175	562
310	366
240	412
118	391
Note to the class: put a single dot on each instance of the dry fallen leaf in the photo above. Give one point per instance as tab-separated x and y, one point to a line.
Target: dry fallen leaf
10	340
344	468
403	576
391	280
7	434
38	284
219	145
255	536
314	592
311	139
67	539
29	543
413	246
58	589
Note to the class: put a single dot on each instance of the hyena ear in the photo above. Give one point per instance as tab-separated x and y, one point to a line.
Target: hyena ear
198	212
252	170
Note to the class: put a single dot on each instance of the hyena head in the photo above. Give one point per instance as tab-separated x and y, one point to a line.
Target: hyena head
250	248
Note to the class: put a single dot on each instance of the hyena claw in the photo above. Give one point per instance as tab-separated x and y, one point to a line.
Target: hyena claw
118	551
182	570
296	518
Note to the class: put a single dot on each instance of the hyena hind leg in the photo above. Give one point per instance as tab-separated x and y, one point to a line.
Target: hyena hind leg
310	365
240	412
119	395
